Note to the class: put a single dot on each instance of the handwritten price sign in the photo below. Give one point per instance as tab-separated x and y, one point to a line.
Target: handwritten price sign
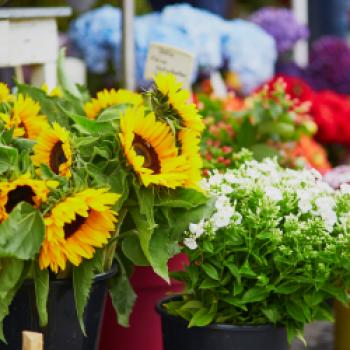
164	58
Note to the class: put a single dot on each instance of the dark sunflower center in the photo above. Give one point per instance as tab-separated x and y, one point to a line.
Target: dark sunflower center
18	195
57	157
146	150
72	227
21	125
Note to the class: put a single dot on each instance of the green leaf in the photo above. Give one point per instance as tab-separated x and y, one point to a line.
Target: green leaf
272	314
88	126
246	270
186	216
210	270
144	228
255	294
83	276
11	273
295	311
160	252
234	301
8	158
41	282
246	137
132	250
64	81
49	105
119	184
261	151
122	295
234	270
202	318
288	287
209	283
112	113
22	233
192	304
181	198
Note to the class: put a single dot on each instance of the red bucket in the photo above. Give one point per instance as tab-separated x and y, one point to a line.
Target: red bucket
145	327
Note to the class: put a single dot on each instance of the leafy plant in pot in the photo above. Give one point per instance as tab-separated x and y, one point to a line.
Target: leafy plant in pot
88	188
264	264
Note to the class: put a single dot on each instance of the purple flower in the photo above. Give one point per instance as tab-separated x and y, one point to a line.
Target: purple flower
282	25
329	65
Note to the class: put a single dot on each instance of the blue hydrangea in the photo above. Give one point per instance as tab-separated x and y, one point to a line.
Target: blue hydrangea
204	28
250	52
96	34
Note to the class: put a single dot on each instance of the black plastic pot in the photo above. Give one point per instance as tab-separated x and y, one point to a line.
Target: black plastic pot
177	335
63	331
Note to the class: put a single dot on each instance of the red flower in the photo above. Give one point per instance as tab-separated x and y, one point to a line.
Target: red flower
331	113
296	88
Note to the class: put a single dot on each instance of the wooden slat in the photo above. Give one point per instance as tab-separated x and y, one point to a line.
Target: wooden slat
34	12
32	341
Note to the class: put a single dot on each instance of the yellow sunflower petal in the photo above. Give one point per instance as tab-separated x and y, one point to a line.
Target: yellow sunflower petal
108	98
178	99
76	226
23	189
53	149
150	148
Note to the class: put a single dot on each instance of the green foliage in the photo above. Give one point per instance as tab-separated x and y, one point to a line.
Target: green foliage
41	282
122	295
82	281
22	233
12	273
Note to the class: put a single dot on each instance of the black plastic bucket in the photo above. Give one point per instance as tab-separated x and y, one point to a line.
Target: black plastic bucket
63	331
177	335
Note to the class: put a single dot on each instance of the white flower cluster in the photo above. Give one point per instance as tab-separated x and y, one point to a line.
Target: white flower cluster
314	197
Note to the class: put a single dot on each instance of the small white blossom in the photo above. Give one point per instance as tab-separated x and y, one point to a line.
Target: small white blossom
215	179
222	202
190	242
197	229
345	188
273	193
221	219
226	189
230	177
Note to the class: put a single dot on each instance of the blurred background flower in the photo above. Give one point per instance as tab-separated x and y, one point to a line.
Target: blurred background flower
282	25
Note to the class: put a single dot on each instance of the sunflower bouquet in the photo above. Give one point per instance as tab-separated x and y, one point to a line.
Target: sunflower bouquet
86	183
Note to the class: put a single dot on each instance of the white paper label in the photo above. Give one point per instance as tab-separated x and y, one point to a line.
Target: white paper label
218	85
169	59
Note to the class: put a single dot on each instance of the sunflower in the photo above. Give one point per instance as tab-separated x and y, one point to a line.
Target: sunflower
76	226
23	189
5	95
25	118
108	98
190	149
177	99
150	148
53	149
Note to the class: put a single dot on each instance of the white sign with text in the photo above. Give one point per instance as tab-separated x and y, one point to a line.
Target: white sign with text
169	59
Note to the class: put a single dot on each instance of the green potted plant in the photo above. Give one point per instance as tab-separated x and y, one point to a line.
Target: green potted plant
88	189
264	264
